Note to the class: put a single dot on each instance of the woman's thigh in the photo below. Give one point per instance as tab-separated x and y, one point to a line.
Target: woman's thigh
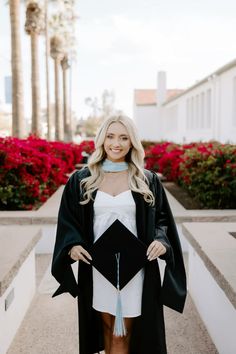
109	320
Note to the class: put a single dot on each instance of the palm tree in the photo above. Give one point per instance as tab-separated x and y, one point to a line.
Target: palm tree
47	53
62	26
66	114
34	26
57	53
16	63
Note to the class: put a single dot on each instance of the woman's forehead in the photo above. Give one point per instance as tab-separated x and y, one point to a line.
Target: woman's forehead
117	128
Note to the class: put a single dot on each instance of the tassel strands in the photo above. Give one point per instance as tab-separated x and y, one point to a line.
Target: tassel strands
119	325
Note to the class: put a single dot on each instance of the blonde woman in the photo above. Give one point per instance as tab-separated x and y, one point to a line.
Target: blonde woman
115	185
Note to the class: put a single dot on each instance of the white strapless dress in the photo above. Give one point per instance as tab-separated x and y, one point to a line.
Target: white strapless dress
107	209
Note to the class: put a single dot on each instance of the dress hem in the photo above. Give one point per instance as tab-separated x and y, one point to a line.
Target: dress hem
113	314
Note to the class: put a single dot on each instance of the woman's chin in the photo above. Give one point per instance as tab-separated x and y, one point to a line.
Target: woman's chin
116	158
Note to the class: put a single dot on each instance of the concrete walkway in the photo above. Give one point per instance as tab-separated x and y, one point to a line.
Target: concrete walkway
50	326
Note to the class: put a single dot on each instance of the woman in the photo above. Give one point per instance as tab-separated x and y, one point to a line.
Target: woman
113	186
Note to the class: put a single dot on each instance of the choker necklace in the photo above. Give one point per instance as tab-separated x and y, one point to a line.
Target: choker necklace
110	166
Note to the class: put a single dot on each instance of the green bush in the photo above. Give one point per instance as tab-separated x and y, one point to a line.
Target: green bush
208	172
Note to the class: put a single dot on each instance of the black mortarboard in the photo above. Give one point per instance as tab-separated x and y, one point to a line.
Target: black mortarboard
118	255
117	239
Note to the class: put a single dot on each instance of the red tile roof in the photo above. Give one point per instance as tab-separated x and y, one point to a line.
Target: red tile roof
144	97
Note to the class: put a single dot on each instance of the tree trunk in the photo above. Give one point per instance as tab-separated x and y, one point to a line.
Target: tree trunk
47	53
71	126
36	128
59	133
66	111
16	63
65	104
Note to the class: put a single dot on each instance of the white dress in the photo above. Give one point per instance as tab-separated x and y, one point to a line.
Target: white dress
107	209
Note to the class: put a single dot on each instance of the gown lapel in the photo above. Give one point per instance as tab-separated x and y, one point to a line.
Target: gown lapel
140	215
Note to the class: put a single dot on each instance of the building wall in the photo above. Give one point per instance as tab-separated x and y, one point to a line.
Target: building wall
8	89
205	112
227	109
5	105
145	118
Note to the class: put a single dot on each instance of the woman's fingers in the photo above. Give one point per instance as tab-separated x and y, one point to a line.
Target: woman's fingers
82	258
79	253
155	250
86	254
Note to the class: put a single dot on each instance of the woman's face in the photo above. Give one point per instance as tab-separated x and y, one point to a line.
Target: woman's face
117	142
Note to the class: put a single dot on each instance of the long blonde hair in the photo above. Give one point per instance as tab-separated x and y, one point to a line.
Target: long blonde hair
137	180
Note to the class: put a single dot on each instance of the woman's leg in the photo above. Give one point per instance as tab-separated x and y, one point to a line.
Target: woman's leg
114	344
107	330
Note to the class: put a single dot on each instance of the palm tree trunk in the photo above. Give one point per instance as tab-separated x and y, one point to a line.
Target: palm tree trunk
47	53
65	103
66	111
16	63
35	85
59	133
71	128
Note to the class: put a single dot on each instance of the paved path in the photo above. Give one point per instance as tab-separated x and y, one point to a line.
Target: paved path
50	326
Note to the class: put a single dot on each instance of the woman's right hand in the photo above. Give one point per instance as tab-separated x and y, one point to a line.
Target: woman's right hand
78	253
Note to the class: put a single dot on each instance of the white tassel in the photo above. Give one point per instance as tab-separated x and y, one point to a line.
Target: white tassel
119	325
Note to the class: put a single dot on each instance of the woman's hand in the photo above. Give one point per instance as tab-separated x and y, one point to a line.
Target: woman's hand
78	253
155	249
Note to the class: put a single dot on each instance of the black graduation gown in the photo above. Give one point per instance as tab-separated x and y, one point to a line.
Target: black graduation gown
75	226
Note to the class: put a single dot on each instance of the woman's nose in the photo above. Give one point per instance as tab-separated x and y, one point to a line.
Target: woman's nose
116	143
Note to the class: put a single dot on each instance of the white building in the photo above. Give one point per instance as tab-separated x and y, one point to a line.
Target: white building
147	105
5	105
205	111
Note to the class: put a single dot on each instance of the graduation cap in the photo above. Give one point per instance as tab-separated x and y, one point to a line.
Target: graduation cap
118	255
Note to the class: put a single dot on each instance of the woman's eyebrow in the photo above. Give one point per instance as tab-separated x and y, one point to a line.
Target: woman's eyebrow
119	135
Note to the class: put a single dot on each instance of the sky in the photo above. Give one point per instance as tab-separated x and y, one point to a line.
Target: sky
123	44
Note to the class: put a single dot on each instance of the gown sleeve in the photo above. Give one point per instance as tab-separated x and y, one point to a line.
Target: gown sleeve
161	225
68	234
174	283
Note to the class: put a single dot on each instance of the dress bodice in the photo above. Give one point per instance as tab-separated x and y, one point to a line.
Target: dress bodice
108	208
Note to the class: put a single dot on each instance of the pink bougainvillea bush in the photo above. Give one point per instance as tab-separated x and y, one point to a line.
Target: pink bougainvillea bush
32	169
206	170
165	158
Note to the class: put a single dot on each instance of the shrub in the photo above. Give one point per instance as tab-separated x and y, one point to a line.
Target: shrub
32	169
148	143
165	158
208	172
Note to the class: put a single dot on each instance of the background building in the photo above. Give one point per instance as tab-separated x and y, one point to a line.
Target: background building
147	105
5	105
205	111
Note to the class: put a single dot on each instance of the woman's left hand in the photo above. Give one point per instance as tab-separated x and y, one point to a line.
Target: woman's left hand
155	249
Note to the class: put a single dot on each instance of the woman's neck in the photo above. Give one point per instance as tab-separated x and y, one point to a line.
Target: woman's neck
111	166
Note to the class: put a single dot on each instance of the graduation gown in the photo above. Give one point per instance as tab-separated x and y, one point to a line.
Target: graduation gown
75	227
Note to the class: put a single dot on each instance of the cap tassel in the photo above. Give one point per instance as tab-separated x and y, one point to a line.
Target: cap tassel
119	325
